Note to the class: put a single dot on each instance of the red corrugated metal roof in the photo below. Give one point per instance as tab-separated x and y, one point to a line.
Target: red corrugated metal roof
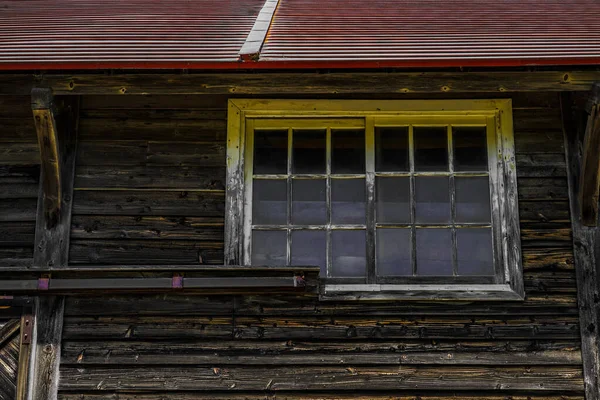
203	34
89	33
434	32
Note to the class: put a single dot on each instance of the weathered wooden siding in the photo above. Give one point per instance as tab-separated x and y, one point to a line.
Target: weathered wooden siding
9	358
19	177
149	184
149	189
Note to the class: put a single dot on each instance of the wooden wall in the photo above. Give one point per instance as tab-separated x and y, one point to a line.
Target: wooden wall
149	190
19	177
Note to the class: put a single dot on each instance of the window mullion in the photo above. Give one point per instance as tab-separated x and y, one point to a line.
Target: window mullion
370	187
328	255
413	231
289	197
452	188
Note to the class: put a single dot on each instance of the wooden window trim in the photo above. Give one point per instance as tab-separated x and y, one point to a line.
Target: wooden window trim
497	114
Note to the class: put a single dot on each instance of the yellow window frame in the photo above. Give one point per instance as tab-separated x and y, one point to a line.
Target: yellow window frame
245	115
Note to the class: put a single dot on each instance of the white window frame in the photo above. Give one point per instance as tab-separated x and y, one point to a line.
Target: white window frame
496	114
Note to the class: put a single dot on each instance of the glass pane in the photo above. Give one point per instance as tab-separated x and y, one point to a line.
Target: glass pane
309	249
431	149
432	198
474	251
348	201
269	248
270	152
434	252
309	152
269	202
393	252
309	205
348	151
348	249
391	149
470	149
393	199
472	199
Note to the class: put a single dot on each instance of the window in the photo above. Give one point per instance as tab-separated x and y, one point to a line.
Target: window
391	199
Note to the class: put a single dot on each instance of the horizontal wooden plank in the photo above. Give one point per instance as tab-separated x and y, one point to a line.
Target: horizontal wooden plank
432	378
212	178
145	116
112	152
85	328
19	174
19	190
550	282
441	327
542	189
172	304
165	228
547	165
202	130
219	102
136	304
17	233
18	210
538	237
305	395
547	258
539	141
295	83
535	304
215	102
15	106
182	203
186	154
145	252
544	211
16	258
19	153
19	129
139	152
326	328
536	118
274	353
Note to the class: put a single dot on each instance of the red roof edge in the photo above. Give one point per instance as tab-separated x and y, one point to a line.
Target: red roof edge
300	64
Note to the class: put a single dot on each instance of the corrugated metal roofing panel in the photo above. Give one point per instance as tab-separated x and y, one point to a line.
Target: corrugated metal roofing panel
73	32
210	34
431	31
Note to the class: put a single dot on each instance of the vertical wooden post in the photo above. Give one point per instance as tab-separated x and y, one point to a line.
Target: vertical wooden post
589	185
586	247
56	125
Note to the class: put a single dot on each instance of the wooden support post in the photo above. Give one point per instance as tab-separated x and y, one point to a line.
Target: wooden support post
586	247
590	171
56	124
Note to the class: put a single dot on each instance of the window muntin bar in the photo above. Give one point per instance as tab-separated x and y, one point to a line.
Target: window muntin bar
371	227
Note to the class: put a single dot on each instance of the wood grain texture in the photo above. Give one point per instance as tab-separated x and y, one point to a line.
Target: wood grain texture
304	395
589	185
290	353
331	378
9	358
586	252
294	83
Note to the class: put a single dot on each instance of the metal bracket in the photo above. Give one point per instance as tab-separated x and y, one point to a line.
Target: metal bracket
26	328
177	281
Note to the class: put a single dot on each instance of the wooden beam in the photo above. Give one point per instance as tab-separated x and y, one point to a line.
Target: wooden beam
378	82
45	126
56	124
590	174
586	248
